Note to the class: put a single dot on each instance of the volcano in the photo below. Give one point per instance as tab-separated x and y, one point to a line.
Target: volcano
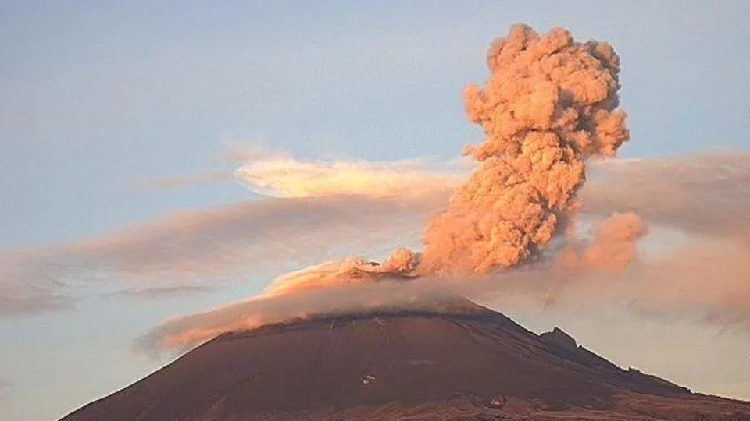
463	363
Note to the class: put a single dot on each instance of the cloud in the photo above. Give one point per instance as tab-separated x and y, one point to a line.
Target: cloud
25	291
159	293
274	173
613	246
178	182
251	235
352	271
702	195
549	104
185	332
33	302
320	215
4	387
703	278
234	240
707	195
707	281
667	289
288	177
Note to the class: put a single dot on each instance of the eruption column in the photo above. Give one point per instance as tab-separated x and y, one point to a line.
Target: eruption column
549	104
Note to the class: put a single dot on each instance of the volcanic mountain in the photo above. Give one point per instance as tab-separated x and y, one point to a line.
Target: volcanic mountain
464	362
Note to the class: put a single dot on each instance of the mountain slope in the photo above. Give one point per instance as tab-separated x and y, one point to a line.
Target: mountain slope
468	363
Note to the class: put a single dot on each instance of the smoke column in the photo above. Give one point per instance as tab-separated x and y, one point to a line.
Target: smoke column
549	104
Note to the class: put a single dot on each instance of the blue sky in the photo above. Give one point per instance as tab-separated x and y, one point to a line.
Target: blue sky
99	98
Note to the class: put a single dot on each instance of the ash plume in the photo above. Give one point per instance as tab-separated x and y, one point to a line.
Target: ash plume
549	104
613	246
353	271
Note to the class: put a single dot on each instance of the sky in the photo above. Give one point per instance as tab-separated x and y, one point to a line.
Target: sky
116	114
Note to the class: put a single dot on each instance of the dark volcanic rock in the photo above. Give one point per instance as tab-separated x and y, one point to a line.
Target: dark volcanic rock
467	363
558	338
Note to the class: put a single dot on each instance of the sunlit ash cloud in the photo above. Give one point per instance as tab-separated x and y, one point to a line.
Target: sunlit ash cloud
512	232
510	227
549	104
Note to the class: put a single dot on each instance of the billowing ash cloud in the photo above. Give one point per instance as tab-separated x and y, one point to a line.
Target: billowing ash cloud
613	246
549	104
353	271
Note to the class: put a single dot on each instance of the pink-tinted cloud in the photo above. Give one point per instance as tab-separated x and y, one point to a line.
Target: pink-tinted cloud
549	104
30	301
704	194
161	293
185	332
705	283
26	290
233	240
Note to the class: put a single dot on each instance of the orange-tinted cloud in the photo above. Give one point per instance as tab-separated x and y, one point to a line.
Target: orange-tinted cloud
186	332
549	104
160	293
240	239
613	246
288	177
703	194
